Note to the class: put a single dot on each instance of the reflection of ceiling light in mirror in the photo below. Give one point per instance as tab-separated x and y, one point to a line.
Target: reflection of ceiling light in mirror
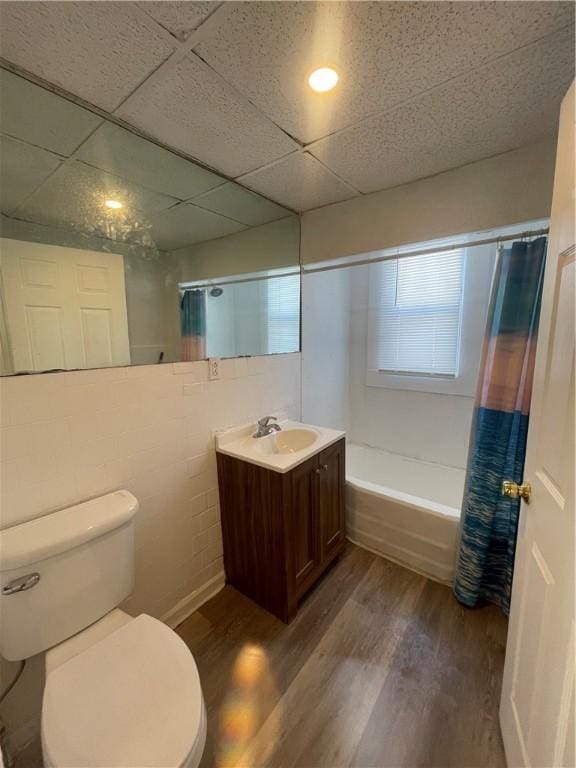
114	204
323	79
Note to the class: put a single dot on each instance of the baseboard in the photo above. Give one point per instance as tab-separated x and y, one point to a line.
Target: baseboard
193	601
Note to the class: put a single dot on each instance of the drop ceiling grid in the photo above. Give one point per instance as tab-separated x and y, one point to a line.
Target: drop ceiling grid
180	19
532	24
452	125
225	132
83	47
97	150
245	103
252	35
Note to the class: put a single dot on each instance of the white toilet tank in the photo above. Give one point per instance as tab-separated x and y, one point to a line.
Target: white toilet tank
64	571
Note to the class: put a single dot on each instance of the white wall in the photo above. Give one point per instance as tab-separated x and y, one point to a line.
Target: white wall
220	330
428	426
152	303
326	349
269	246
68	437
236	321
512	187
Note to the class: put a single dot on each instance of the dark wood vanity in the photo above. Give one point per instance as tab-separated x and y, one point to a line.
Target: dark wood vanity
281	531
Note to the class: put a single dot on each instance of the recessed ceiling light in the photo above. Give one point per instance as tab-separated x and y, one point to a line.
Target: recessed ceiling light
323	79
115	204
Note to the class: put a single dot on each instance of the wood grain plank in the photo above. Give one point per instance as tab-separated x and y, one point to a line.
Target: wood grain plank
380	667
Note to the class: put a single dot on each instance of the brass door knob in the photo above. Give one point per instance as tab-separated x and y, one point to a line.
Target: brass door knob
514	491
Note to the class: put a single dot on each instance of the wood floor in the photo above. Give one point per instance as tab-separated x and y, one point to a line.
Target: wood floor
381	667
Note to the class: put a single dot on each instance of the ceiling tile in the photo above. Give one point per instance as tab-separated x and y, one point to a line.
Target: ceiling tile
185	224
240	204
22	169
503	105
39	117
385	52
125	154
188	106
300	182
97	50
179	18
74	197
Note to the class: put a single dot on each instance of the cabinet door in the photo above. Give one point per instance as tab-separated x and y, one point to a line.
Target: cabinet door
305	524
332	524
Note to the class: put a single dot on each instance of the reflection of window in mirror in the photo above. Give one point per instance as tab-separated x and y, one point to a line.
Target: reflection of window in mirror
283	315
254	314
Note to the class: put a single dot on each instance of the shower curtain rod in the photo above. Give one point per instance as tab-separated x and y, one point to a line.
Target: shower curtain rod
224	282
426	251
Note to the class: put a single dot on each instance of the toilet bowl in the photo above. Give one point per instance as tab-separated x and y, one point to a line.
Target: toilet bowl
120	691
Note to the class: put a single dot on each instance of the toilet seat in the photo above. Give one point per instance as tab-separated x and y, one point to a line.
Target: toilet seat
131	699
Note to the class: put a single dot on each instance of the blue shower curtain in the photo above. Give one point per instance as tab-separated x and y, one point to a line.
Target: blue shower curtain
193	324
498	442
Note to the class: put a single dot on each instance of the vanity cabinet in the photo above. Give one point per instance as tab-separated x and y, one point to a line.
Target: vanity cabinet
281	530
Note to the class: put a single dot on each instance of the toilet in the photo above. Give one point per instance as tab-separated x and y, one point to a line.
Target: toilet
120	691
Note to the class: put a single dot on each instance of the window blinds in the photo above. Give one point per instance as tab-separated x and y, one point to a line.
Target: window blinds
284	314
417	304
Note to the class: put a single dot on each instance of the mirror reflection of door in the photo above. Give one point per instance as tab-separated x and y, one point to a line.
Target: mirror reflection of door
63	307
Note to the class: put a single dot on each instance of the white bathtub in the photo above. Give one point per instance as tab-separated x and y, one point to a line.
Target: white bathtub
404	509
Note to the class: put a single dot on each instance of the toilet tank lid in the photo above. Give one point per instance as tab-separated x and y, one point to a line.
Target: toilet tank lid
46	536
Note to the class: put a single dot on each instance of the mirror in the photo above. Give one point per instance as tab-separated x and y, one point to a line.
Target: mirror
115	250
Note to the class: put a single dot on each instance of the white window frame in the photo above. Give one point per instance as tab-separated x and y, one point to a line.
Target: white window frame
472	322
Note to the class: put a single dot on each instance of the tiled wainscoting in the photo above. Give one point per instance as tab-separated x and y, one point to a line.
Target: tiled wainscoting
67	437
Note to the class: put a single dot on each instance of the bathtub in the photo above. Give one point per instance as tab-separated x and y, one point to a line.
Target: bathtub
404	509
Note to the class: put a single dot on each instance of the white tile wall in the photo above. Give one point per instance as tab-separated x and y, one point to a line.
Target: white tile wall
67	437
326	349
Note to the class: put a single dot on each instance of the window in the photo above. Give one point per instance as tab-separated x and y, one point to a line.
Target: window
283	314
416	308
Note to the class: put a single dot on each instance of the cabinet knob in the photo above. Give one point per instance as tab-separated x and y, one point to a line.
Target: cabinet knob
317	471
325	467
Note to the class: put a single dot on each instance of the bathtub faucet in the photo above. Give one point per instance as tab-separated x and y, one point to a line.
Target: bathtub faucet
266	427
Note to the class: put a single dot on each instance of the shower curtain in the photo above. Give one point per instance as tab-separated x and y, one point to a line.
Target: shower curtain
498	442
193	324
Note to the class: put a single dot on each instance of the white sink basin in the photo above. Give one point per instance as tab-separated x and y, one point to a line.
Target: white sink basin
286	441
280	451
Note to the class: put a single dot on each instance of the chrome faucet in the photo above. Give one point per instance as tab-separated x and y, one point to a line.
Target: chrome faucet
266	426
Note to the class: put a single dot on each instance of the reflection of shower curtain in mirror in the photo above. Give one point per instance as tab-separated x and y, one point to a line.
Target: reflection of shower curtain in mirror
193	324
498	442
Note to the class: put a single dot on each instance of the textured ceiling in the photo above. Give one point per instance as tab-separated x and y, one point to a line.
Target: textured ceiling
425	86
60	162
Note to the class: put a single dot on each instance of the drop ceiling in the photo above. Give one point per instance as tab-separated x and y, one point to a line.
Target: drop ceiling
59	163
424	86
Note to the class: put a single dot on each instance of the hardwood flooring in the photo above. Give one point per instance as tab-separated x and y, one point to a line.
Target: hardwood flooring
381	668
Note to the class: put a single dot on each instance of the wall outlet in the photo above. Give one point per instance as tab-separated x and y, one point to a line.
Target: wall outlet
213	368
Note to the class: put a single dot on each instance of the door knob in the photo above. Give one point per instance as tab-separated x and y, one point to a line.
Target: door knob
513	490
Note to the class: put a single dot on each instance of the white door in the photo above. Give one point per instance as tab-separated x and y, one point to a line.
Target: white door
63	307
537	706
